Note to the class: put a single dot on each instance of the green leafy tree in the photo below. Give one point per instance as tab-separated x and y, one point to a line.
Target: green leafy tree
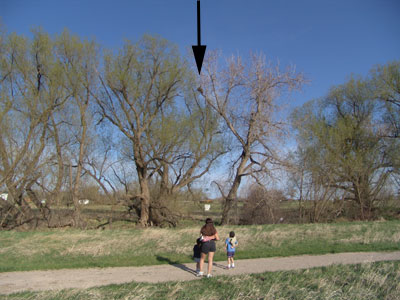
142	85
189	143
79	63
386	82
341	136
30	89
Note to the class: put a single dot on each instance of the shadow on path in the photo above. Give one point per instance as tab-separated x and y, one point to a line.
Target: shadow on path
176	264
220	266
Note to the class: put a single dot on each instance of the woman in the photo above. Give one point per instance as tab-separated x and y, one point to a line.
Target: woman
210	235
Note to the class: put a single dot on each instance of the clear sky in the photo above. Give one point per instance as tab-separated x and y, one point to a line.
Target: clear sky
326	39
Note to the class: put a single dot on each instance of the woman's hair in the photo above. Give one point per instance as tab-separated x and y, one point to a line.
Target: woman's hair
231	234
208	229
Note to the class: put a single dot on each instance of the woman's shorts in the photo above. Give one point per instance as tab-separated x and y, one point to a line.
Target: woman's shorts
230	253
196	259
208	247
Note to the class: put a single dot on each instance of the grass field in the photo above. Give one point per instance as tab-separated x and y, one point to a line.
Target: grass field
57	249
351	282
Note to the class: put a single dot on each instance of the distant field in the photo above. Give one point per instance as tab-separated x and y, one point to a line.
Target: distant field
68	248
341	282
100	215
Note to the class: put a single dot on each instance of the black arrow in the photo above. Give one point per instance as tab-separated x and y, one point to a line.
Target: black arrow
200	49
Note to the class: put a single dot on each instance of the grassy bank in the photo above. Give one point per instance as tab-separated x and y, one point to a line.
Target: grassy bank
366	281
137	247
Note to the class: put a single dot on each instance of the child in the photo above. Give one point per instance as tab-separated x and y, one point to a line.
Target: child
230	246
196	254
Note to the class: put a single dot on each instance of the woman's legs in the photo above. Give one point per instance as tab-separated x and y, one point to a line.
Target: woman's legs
210	261
202	257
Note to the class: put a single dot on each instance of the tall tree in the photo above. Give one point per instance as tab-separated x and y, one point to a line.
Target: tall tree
341	135
79	61
385	80
245	95
189	143
30	91
139	82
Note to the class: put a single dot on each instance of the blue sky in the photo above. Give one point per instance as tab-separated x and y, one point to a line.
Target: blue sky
327	40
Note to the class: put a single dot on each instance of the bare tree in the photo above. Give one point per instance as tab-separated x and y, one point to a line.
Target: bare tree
260	205
245	95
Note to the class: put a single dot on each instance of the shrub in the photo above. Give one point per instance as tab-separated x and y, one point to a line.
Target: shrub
261	206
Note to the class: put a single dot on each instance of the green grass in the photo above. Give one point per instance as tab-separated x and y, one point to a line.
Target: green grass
351	282
57	249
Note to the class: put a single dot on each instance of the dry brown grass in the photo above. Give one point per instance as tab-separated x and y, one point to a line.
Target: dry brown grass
158	245
99	243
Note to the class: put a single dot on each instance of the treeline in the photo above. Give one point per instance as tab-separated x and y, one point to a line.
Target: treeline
139	125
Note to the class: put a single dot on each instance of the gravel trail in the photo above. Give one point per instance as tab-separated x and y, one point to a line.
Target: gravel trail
11	282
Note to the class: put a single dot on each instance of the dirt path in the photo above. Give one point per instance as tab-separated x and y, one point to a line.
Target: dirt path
12	282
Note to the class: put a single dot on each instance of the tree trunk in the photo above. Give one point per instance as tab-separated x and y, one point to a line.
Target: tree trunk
301	208
362	196
24	214
82	149
43	207
60	164
232	195
159	212
158	204
144	197
75	197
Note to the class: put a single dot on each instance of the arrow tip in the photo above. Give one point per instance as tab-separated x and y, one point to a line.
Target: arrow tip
199	52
